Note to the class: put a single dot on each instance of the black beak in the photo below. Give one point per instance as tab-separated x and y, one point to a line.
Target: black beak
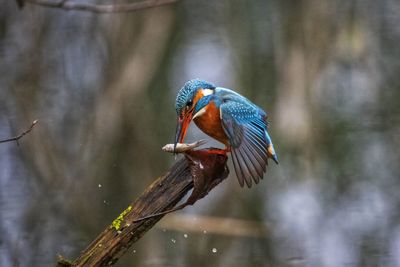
178	132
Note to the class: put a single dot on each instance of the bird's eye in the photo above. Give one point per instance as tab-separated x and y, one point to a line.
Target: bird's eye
189	104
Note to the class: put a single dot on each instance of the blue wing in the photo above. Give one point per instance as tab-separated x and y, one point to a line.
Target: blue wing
246	127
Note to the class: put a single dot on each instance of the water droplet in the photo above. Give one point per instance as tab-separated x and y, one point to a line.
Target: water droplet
214	250
164	230
173	240
204	232
185	235
99	185
134	251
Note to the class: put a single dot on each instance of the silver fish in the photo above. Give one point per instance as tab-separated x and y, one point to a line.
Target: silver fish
183	147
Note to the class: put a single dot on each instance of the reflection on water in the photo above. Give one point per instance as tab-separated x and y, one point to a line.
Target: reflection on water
103	89
334	234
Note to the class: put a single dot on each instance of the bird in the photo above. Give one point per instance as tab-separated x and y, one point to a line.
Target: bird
231	119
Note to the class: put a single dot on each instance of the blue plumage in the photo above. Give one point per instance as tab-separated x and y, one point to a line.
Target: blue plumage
204	101
244	124
188	90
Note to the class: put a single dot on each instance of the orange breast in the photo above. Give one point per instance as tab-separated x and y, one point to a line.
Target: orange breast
210	123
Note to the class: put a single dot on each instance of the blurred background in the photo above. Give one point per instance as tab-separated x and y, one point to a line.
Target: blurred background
103	88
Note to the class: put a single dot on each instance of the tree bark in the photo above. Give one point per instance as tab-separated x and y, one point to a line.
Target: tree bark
162	195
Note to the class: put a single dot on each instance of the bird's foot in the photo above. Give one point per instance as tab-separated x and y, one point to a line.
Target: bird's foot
208	169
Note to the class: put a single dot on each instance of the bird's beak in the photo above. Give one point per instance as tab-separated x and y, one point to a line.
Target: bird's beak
181	127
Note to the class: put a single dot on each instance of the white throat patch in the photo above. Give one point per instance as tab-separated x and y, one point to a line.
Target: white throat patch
207	92
199	113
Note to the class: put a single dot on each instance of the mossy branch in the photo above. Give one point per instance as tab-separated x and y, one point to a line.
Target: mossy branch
161	196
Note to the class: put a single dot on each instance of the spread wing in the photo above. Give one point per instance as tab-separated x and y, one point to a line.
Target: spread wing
246	126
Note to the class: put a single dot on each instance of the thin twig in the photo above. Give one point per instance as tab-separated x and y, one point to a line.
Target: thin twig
16	138
96	8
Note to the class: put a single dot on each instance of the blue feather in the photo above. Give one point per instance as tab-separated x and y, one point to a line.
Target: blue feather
246	127
187	92
244	123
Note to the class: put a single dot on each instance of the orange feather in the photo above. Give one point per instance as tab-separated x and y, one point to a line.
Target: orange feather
210	123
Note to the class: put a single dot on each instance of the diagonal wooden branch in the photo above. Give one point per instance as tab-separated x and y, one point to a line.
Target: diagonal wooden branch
162	195
97	8
16	138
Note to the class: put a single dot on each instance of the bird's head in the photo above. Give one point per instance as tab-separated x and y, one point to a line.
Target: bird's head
186	104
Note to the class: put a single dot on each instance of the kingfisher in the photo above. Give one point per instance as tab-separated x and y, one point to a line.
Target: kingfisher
231	119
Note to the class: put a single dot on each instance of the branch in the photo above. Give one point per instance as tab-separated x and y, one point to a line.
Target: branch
16	138
96	8
199	170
